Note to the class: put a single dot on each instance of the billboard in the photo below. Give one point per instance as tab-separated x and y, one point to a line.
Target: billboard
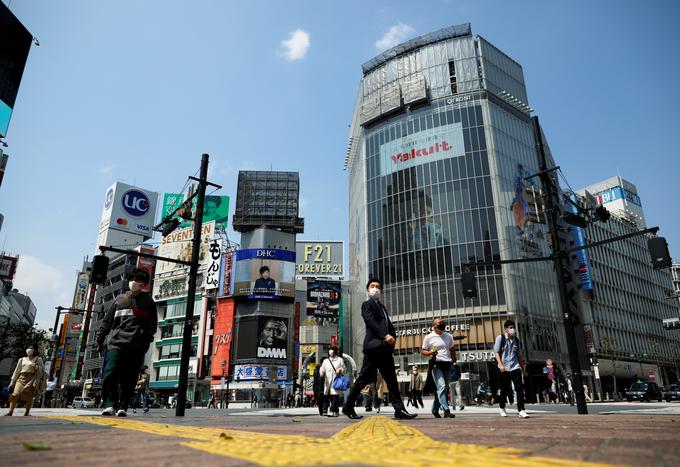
8	267
259	373
422	147
264	273
222	334
212	272
579	239
320	259
170	279
129	209
215	208
323	299
146	264
264	337
15	43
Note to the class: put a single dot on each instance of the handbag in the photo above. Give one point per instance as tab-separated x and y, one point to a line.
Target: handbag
340	382
430	386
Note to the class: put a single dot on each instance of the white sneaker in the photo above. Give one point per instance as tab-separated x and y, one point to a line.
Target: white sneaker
121	413
109	411
503	412
523	414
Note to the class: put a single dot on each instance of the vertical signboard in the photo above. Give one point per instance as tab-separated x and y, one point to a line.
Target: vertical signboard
222	335
581	255
212	273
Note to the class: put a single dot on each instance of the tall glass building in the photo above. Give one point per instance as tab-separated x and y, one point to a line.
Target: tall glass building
439	147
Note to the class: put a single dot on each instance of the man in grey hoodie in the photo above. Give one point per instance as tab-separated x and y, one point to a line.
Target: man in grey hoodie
130	323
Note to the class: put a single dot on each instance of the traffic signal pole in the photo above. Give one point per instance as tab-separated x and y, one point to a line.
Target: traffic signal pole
561	266
191	290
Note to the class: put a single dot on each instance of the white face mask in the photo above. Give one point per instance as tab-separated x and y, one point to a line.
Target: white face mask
30	352
511	332
331	352
374	293
135	286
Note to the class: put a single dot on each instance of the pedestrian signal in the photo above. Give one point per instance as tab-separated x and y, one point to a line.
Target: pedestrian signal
100	267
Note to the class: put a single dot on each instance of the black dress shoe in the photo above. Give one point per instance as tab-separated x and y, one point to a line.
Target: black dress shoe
351	414
448	414
402	414
436	414
369	409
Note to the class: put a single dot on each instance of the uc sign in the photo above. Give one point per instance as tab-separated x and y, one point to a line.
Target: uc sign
135	203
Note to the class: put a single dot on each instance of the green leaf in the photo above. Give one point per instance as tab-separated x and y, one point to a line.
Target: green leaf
36	446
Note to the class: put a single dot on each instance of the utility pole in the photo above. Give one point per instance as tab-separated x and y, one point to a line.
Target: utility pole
191	290
560	258
86	331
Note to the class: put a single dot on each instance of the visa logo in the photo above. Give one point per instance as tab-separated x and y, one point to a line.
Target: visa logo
145	228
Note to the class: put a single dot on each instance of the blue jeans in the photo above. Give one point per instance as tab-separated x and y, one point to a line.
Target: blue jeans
441	379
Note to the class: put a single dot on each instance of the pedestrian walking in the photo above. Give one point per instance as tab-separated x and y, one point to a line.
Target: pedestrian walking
142	389
319	389
377	349
511	365
331	368
416	387
370	395
454	387
28	381
49	393
570	390
130	324
439	346
211	401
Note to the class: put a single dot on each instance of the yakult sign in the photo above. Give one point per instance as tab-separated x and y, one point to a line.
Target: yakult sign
422	147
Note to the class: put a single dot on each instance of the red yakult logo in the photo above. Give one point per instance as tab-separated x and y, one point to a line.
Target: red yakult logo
442	147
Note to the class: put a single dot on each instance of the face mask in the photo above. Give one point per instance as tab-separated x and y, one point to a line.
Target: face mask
331	352
29	352
374	293
441	326
511	332
135	286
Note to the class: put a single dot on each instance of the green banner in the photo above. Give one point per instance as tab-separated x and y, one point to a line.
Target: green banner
216	208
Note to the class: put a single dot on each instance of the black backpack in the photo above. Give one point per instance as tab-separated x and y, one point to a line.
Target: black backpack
504	339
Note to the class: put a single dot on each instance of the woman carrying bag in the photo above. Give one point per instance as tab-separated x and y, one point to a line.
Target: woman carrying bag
333	370
28	380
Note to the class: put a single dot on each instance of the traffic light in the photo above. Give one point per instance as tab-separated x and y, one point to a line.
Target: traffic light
100	268
170	227
469	283
601	214
658	249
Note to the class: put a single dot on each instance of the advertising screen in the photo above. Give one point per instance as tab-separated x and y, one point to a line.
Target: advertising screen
323	299
263	337
215	208
264	273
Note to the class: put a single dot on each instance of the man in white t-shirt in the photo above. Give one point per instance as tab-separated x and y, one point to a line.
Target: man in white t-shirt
439	343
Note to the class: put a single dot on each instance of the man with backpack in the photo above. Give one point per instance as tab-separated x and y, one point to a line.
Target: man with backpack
511	366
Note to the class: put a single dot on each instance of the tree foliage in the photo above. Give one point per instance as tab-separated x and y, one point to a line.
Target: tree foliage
16	337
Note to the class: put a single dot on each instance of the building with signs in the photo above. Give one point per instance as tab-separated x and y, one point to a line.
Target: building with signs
439	147
629	298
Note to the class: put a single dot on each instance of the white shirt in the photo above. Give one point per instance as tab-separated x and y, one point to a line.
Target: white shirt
443	342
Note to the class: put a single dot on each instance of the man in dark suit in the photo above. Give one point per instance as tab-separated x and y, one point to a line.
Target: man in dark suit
378	348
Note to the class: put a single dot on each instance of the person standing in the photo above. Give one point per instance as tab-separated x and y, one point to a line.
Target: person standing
439	344
416	387
130	324
511	366
333	366
26	380
49	394
318	388
142	389
211	401
570	390
377	349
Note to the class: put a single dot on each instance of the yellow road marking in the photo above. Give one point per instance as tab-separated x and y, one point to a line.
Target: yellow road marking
374	441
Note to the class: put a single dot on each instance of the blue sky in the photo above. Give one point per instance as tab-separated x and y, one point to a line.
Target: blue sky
136	91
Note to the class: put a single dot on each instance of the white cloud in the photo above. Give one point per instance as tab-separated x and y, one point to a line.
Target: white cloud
395	35
296	46
46	285
107	169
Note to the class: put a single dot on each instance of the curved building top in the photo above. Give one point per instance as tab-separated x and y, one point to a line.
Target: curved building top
417	42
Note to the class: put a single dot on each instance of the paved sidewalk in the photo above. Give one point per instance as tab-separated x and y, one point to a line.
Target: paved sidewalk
474	437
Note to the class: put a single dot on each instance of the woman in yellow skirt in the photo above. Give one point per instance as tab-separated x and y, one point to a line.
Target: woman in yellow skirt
26	380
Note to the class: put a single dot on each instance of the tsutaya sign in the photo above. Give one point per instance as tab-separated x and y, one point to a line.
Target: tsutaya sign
476	356
427	330
422	147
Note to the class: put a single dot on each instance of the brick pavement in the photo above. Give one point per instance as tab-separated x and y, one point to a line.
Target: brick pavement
613	439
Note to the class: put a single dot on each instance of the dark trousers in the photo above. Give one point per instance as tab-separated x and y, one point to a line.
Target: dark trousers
322	402
418	398
334	403
514	377
375	360
120	377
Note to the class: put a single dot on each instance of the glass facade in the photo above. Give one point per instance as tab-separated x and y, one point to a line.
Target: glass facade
434	187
